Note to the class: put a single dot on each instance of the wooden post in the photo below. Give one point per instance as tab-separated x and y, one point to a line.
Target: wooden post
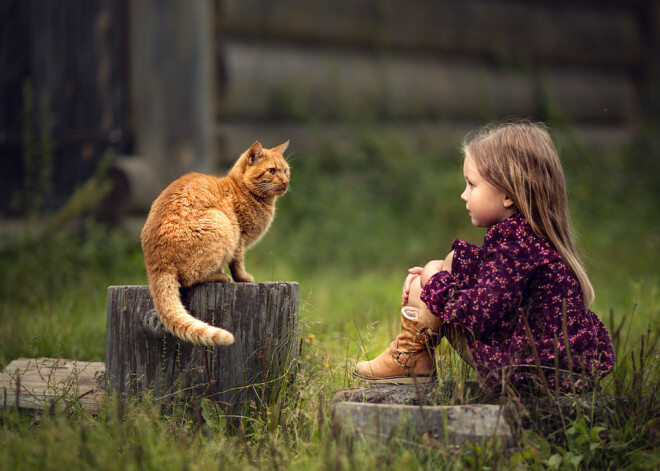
263	317
172	80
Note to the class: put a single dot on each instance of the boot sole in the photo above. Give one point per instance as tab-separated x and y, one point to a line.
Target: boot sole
397	379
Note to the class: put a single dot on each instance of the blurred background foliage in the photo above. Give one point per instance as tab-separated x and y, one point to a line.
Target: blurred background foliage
354	220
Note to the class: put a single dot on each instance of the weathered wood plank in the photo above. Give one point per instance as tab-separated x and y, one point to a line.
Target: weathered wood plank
262	317
136	183
73	57
308	139
45	383
274	82
500	30
590	97
172	72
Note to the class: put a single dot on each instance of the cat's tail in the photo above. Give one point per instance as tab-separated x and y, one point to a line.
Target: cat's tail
176	319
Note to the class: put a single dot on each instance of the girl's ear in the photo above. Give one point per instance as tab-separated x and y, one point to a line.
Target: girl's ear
254	153
281	148
508	202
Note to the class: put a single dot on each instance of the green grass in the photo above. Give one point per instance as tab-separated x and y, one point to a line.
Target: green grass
352	224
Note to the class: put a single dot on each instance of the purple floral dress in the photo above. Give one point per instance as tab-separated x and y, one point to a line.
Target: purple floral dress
511	290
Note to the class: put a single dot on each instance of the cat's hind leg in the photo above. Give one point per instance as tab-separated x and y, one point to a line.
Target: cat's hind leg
219	277
212	249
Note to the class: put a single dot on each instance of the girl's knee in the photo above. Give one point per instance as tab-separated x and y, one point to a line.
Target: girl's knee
430	269
414	296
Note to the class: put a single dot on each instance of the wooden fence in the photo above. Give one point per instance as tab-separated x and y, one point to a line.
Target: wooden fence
188	85
428	66
64	96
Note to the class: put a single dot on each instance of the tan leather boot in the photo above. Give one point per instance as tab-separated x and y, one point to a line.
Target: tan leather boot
408	358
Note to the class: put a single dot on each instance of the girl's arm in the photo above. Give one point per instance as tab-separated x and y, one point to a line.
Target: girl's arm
503	272
423	274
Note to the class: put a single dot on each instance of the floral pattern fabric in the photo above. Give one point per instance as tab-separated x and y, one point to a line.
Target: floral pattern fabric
514	298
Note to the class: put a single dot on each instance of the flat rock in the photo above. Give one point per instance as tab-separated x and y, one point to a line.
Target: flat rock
429	394
452	426
414	411
453	414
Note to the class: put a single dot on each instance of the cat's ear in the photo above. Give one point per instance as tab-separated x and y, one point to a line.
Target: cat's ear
281	148
255	152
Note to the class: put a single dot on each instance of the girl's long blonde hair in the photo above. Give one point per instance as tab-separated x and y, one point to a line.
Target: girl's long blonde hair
521	160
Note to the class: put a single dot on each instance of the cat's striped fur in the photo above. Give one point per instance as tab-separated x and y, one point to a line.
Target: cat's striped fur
201	223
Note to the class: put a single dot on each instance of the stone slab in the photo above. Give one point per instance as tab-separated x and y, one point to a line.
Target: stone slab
452	426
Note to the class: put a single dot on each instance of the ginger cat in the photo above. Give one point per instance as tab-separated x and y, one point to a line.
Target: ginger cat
199	224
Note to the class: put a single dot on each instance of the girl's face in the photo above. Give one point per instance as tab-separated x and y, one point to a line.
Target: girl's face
485	204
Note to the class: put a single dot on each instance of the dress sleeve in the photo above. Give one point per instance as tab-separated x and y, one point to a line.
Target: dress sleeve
606	354
508	260
466	263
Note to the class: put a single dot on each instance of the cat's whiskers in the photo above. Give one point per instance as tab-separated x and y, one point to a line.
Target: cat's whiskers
264	188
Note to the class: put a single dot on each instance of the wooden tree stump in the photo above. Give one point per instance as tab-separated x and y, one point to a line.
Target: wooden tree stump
141	357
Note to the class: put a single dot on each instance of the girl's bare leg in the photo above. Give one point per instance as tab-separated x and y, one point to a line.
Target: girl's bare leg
456	337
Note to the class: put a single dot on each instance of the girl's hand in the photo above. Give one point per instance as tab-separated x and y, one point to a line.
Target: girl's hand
422	275
413	274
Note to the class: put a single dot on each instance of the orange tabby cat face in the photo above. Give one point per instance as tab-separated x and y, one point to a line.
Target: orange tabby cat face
266	171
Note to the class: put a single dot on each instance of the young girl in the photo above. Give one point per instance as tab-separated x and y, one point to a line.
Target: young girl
516	308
